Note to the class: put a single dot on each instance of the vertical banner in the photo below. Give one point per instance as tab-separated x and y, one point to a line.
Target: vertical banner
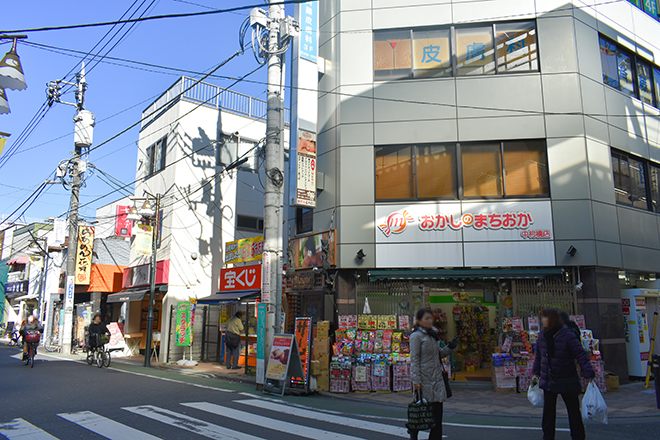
191	325
59	228
123	226
265	278
261	343
306	169
143	236
303	335
67	322
84	254
182	332
309	31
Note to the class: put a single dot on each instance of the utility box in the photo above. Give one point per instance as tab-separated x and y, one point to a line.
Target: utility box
84	132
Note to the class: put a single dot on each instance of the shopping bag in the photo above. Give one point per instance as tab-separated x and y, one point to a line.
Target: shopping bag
593	405
535	394
420	414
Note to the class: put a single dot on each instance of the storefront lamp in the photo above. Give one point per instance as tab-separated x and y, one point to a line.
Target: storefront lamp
147	209
11	71
4	105
133	214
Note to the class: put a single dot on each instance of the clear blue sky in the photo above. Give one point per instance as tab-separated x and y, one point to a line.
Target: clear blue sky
116	94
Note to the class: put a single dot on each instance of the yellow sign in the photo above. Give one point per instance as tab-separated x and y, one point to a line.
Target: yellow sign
84	254
3	141
247	249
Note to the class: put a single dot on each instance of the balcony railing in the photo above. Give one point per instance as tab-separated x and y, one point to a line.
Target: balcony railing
14	277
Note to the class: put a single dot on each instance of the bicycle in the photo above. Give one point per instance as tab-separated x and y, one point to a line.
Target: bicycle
32	341
52	344
99	353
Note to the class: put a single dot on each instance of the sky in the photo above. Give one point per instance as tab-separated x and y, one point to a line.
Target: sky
117	91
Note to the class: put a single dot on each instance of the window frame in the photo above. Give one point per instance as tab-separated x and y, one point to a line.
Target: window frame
646	166
159	146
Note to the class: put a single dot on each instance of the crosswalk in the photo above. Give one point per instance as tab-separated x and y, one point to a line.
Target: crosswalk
254	419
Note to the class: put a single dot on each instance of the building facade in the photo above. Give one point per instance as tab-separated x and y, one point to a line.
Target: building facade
507	152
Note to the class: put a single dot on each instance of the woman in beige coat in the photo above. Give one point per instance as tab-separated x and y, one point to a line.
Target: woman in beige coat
425	353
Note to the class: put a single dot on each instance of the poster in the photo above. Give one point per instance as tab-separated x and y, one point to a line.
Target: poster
404	322
534	326
517	324
182	332
278	358
191	325
306	170
307	251
303	334
59	228
116	337
84	254
244	250
143	237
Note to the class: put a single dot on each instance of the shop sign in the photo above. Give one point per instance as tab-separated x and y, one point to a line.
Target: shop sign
303	341
18	287
265	279
191	325
307	251
244	250
123	226
183	331
308	31
306	170
303	280
84	254
240	278
278	358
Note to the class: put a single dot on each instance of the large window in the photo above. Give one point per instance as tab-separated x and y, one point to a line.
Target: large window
156	156
232	147
636	181
447	51
629	73
462	171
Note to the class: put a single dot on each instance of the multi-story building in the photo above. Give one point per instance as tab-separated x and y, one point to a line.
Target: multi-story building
506	151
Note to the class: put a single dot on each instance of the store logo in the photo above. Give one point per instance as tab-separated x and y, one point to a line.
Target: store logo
396	223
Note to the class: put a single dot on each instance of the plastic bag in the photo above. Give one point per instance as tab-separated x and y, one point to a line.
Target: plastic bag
593	405
535	394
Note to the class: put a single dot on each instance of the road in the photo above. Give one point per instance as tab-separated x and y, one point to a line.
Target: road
60	399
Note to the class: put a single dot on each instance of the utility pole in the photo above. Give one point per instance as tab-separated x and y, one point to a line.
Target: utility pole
84	123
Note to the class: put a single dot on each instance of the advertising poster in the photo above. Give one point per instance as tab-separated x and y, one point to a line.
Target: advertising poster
116	337
303	334
123	226
306	169
182	331
244	250
191	325
84	254
143	237
278	358
308	250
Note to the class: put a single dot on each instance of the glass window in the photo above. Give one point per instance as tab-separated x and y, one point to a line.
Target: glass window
436	171
482	170
644	82
516	47
392	55
637	184
394	173
474	51
626	84
246	148
608	63
525	168
159	158
227	151
621	178
431	53
629	180
656	82
654	181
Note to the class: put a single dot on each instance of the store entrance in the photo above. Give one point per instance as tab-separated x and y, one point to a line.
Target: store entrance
471	315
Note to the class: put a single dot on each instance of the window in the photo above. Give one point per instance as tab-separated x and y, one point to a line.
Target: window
227	150
487	169
156	156
304	220
645	82
654	181
247	223
656	82
451	51
629	180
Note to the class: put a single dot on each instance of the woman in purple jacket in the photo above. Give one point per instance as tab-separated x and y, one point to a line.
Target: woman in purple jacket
557	349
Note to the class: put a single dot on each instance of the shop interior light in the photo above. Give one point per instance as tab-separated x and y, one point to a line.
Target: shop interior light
147	209
133	214
11	71
4	104
421	285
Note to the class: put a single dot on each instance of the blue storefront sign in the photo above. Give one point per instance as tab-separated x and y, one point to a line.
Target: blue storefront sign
309	31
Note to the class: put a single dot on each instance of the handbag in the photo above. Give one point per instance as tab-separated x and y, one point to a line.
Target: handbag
445	379
232	340
420	413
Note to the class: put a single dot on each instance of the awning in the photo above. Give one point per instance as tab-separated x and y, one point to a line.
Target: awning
127	295
26	298
230	297
19	260
464	274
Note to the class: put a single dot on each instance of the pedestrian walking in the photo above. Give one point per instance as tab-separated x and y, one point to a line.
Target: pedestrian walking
426	355
557	350
233	339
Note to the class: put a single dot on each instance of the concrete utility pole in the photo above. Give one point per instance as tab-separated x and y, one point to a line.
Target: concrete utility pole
84	123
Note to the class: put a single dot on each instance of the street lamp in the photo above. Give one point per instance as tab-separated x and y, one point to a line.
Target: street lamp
147	211
11	71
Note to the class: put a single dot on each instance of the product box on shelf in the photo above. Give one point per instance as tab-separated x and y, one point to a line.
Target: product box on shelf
323	329
323	381
321	346
315	368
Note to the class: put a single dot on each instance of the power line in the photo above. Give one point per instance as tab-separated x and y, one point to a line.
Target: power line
153	17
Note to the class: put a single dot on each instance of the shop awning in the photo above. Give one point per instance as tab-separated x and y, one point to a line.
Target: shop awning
127	295
230	297
464	274
26	298
19	260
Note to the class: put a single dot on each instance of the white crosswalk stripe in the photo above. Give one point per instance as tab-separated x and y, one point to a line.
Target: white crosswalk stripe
325	417
190	424
106	427
272	424
19	429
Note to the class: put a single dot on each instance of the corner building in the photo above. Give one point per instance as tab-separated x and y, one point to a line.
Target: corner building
507	151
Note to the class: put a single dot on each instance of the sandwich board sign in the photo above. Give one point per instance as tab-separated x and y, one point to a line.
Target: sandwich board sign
283	364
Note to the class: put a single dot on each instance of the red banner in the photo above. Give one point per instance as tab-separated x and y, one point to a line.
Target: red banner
240	278
123	226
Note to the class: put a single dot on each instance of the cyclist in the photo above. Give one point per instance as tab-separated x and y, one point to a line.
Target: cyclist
32	324
96	330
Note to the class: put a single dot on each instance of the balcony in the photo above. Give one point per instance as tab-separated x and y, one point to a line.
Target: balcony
14	277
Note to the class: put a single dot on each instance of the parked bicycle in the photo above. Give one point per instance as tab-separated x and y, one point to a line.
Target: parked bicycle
52	343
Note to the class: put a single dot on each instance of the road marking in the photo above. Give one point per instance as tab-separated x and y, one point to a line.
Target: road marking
513	428
106	427
330	418
190	424
274	424
19	429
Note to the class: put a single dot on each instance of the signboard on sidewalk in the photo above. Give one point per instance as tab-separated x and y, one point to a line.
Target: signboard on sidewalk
303	335
283	363
183	333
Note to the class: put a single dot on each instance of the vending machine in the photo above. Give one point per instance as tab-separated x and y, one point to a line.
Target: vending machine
636	324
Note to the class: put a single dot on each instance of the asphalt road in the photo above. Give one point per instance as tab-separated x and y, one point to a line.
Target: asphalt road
60	399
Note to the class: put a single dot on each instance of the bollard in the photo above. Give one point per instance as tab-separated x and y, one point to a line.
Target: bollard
656	376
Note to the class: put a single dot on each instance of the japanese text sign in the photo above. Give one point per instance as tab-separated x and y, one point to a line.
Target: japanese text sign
306	169
183	332
123	225
278	358
247	249
84	254
308	31
240	278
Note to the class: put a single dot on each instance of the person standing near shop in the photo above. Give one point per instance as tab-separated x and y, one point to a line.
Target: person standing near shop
426	355
557	349
233	339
